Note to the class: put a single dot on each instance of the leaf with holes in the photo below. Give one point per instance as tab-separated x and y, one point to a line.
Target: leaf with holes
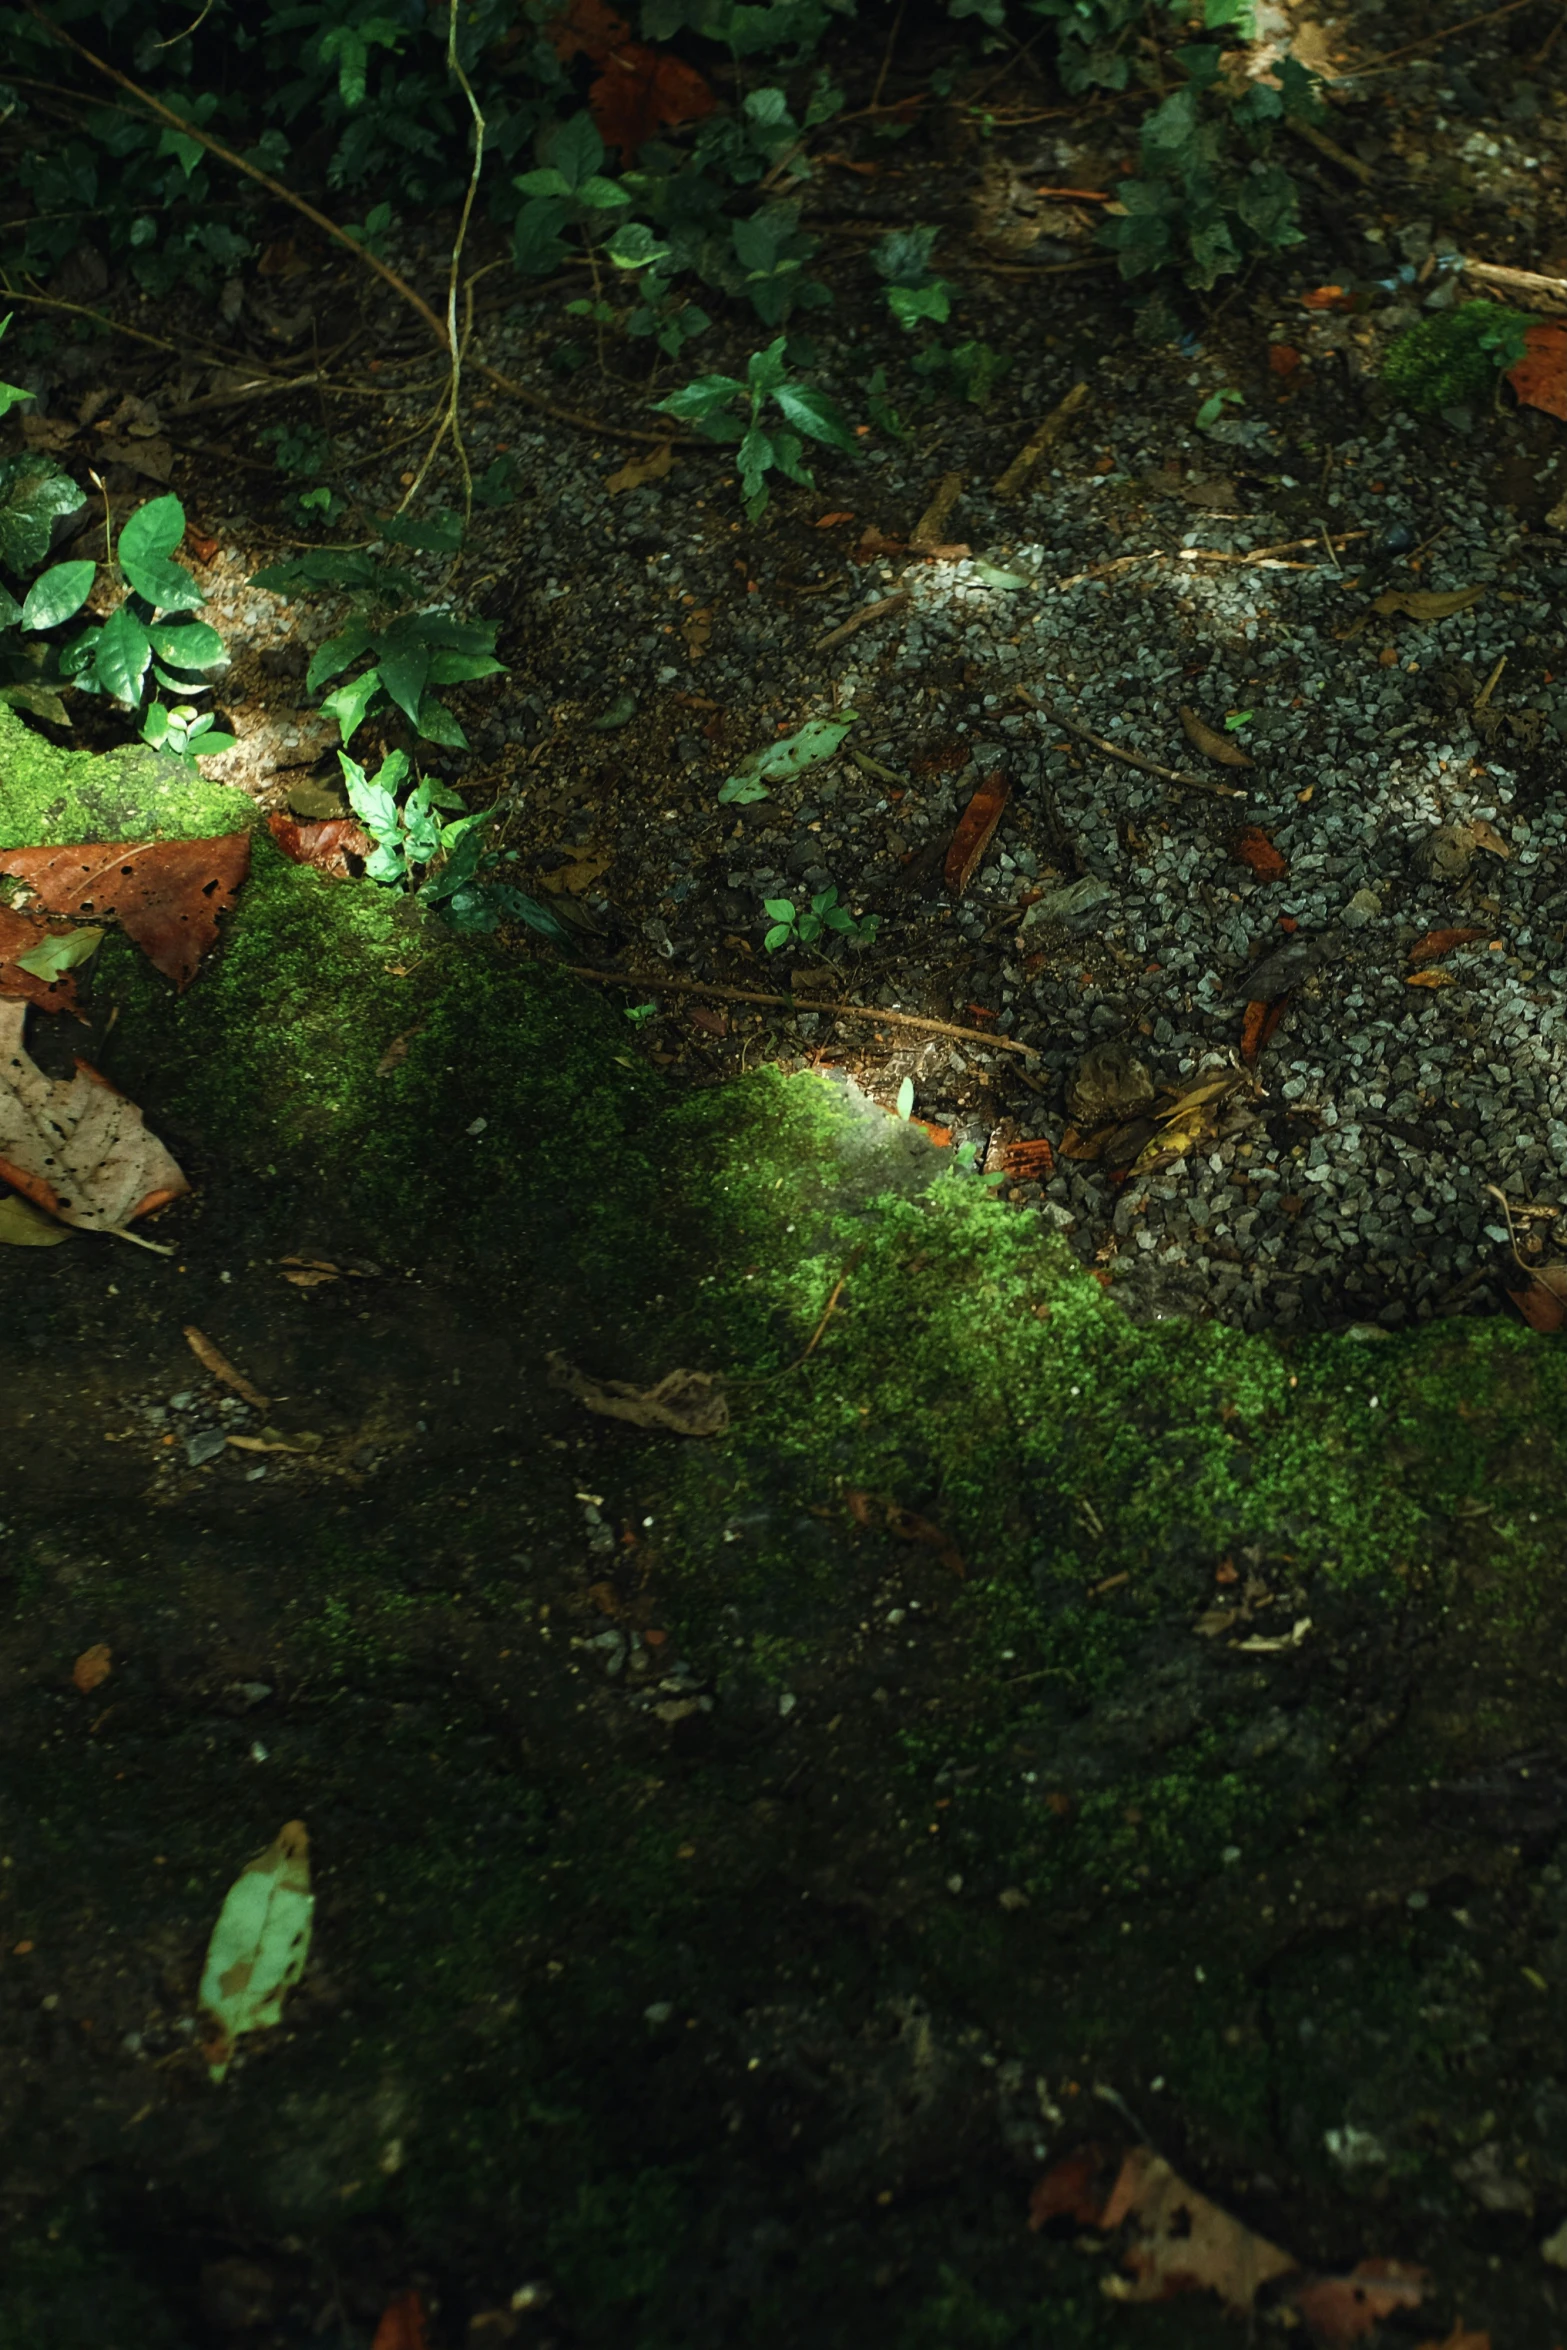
166	895
259	1946
76	1148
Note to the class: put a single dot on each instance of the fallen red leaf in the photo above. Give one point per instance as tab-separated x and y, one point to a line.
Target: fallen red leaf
871	543
643	90
1327	298
1251	846
1077	2187
326	845
166	894
1540	377
402	2325
1441	942
1543	1299
829	521
1259	1025
941	1136
93	1667
1342	2309
974	829
1431	979
586	26
704	1016
1283	358
19	934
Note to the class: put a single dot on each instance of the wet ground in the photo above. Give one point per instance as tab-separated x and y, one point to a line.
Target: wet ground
746	1865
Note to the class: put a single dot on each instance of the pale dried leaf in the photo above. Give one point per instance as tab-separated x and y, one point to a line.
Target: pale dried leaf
1426	603
76	1148
1179	2242
1207	739
213	1359
638	470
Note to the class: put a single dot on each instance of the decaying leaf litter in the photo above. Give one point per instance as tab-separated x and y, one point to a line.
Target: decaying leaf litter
1178	1099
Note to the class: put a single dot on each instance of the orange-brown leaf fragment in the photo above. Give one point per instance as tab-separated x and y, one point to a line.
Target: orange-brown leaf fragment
213	1359
588	26
1343	2309
326	845
1441	942
1258	1027
1543	1299
1540	377
76	1149
1077	2187
166	895
93	1667
642	91
1431	979
402	2325
973	834
1179	2242
1251	846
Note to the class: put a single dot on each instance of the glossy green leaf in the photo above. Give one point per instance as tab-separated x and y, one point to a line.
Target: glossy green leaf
58	593
124	650
186	644
34	493
349	703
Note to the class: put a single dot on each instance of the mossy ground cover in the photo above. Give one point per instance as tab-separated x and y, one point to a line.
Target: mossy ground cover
739	1994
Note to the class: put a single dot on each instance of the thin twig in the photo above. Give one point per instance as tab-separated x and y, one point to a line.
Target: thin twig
190	130
456	345
867	612
799	1003
1206	555
593	424
1222	791
1490	685
886	57
1429	41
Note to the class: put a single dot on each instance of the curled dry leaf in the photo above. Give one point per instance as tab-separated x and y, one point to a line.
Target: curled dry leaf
93	1667
690	1403
1485	836
213	1359
1179	2242
1345	2309
638	470
76	1149
1259	1025
974	830
166	895
1426	603
1251	846
1441	942
1205	738
327	845
1431	979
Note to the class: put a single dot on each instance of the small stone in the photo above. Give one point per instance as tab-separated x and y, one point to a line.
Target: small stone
204	1446
1363	907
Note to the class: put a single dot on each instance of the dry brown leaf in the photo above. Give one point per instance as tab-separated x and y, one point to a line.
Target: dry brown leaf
1540	377
1485	836
973	833
1543	1299
1462	2337
1431	979
165	894
1077	2187
1441	942
77	1149
1207	739
575	879
931	527
691	1403
1182	2243
638	470
154	458
1343	2309
213	1359
1426	603
93	1667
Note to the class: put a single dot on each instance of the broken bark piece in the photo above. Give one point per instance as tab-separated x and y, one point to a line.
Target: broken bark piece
1011	483
974	829
931	528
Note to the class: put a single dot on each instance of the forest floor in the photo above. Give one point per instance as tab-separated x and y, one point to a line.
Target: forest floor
1089	1694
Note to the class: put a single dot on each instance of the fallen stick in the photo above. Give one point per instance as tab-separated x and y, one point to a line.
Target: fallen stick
800	1003
1333	151
574	416
1223	791
1207	555
868	612
1531	287
1011	482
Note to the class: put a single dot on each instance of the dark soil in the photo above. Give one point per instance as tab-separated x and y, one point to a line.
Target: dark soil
746	1865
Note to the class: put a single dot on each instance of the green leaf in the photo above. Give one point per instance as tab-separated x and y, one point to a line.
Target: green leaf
778	936
124	650
34	492
58	593
817	739
334	567
42	702
348	703
573	148
154	530
814	413
461	668
766	370
906	1099
912	304
10	609
521	908
437	725
404	669
259	1946
781	909
438	534
701	398
635	246
755	454
335	655
186	644
547	182
603	195
992	576
61	952
620	713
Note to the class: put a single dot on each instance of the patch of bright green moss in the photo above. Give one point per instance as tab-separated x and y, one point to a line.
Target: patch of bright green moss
1454	355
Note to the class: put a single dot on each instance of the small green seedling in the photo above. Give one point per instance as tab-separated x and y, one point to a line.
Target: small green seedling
791	927
185	732
1214	406
966	1157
